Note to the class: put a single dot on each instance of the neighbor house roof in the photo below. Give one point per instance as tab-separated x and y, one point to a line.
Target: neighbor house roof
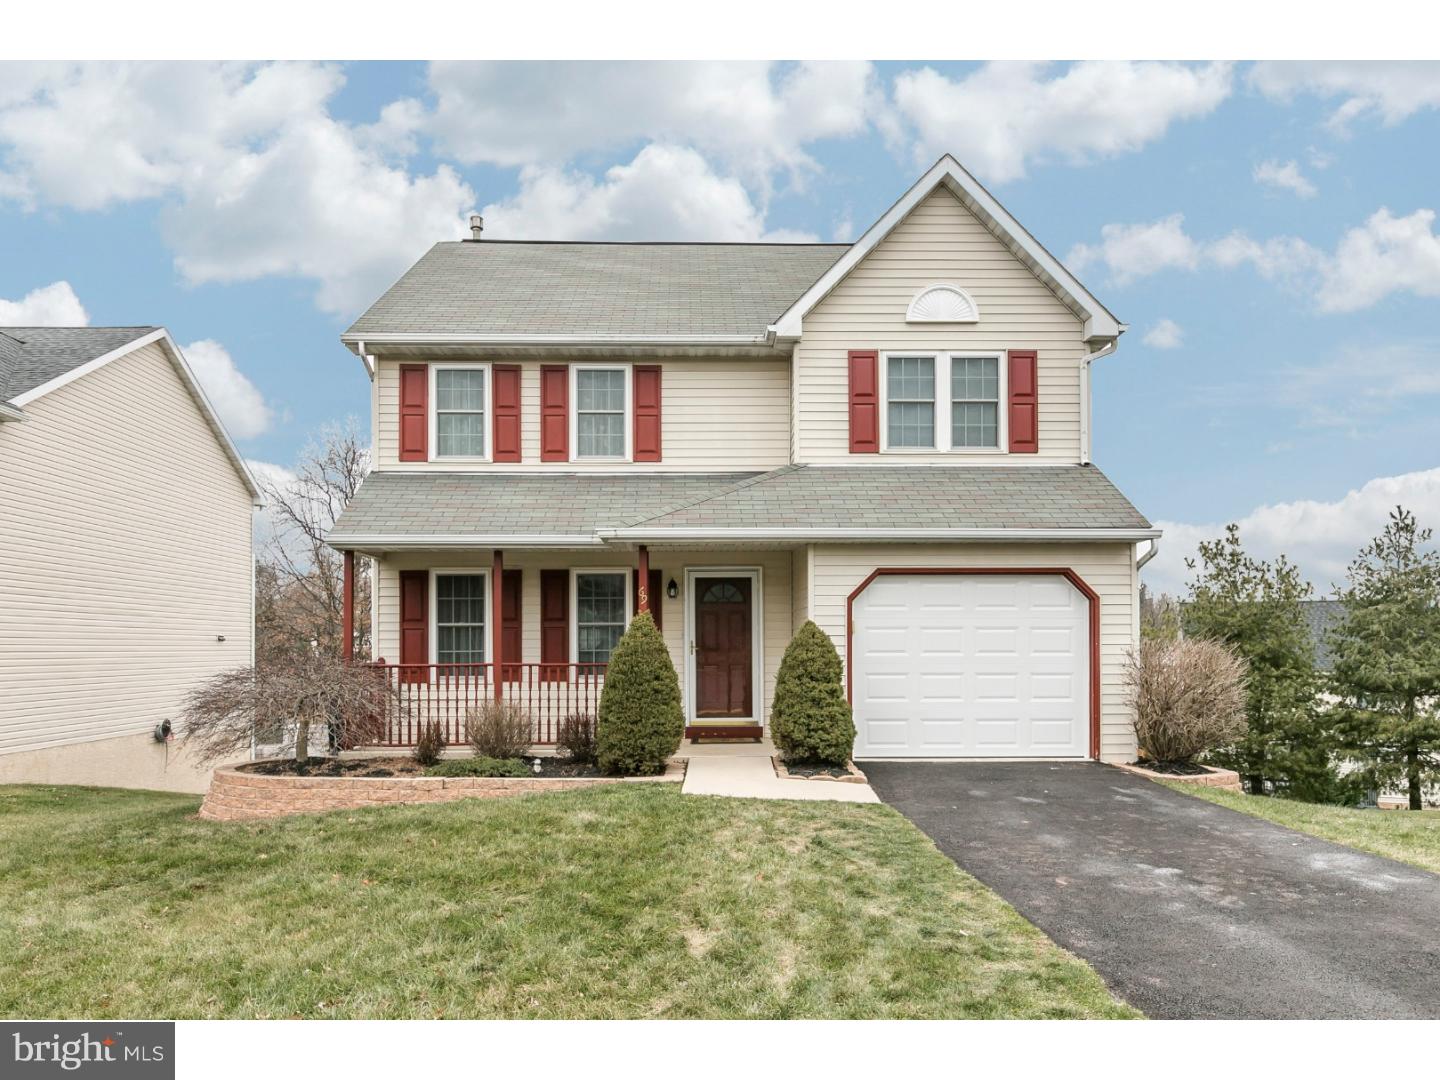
598	291
31	356
796	503
35	360
1322	617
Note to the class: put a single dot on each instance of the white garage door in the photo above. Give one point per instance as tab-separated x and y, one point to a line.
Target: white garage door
971	666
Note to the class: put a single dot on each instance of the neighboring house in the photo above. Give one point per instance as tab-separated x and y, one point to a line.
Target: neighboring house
125	554
891	438
1322	618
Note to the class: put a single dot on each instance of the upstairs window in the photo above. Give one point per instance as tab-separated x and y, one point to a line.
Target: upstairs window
602	408
943	402
461	394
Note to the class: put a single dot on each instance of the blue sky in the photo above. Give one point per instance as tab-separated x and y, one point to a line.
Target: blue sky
1267	232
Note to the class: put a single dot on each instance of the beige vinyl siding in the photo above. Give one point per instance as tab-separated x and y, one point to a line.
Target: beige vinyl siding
940	241
775	588
1109	569
716	414
126	540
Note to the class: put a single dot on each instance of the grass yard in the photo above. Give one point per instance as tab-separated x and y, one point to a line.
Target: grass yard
1407	836
623	901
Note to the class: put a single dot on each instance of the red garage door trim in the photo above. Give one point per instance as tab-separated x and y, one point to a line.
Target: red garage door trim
1009	571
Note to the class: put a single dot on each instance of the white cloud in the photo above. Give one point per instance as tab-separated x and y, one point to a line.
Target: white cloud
1394	90
1135	251
1321	537
754	117
667	192
241	406
1286	175
1360	384
1165	334
1384	256
1006	116
254	176
50	305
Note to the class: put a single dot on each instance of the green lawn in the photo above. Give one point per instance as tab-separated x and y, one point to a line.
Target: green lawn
623	901
1406	836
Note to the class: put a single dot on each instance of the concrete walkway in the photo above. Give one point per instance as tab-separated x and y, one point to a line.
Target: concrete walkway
744	771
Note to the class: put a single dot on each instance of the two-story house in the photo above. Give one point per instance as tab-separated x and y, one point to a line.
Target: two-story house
889	437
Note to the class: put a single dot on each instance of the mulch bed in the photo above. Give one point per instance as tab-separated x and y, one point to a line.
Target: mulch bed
1171	768
380	767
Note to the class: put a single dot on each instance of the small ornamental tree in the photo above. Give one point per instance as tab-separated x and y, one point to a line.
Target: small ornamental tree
810	720
1387	658
292	694
1188	695
640	723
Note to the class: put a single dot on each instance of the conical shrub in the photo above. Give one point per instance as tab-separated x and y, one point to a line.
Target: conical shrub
640	723
810	720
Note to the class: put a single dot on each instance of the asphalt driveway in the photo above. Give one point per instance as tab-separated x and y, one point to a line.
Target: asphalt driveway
1186	909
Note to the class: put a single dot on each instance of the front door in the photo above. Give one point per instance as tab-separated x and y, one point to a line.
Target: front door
723	660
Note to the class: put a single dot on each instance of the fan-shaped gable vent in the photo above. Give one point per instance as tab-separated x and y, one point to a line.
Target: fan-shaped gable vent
942	303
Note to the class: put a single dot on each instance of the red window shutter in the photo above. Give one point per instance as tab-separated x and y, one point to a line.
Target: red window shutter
511	639
506	383
647	412
1024	403
864	402
656	597
555	412
415	625
555	624
414	412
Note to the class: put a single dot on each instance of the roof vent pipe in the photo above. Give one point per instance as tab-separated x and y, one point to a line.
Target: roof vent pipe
477	226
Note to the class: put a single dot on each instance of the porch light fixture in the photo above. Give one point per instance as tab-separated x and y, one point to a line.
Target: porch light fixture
672	590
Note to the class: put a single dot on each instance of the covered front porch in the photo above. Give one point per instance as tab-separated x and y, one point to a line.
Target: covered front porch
443	629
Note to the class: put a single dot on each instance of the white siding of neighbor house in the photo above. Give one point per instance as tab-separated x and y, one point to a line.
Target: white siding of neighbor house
125	553
775	587
1109	569
716	415
940	241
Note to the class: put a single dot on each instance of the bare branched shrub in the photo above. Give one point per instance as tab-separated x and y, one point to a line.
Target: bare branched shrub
430	745
576	740
498	729
288	697
1188	696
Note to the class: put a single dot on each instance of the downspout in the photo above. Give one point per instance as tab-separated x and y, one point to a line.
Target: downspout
1085	362
1143	559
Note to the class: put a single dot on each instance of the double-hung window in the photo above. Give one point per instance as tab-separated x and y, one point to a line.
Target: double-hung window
602	609
461	394
943	402
602	409
460	612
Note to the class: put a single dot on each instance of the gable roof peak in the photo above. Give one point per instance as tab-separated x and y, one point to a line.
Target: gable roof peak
947	172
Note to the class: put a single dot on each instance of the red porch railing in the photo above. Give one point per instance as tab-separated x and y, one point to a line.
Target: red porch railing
448	692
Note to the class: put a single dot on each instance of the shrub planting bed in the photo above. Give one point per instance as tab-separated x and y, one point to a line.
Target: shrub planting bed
267	789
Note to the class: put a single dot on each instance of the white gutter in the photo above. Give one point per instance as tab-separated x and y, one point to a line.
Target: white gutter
366	359
1085	362
340	541
1154	550
354	340
878	535
10	412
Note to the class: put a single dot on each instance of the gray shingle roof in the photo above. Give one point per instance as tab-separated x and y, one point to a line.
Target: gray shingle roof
796	496
31	356
519	504
528	287
1322	617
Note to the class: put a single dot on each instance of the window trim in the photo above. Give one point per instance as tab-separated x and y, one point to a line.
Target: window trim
460	571
433	409
627	423
943	402
624	572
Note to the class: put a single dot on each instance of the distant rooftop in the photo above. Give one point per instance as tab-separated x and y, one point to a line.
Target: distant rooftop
31	356
560	287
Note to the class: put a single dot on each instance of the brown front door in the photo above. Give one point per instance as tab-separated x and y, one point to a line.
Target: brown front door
722	647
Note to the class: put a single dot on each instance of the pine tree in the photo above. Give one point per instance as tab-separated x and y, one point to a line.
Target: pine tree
1254	607
1387	657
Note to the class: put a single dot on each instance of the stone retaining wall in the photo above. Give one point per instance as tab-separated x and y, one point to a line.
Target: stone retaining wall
1225	779
237	795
